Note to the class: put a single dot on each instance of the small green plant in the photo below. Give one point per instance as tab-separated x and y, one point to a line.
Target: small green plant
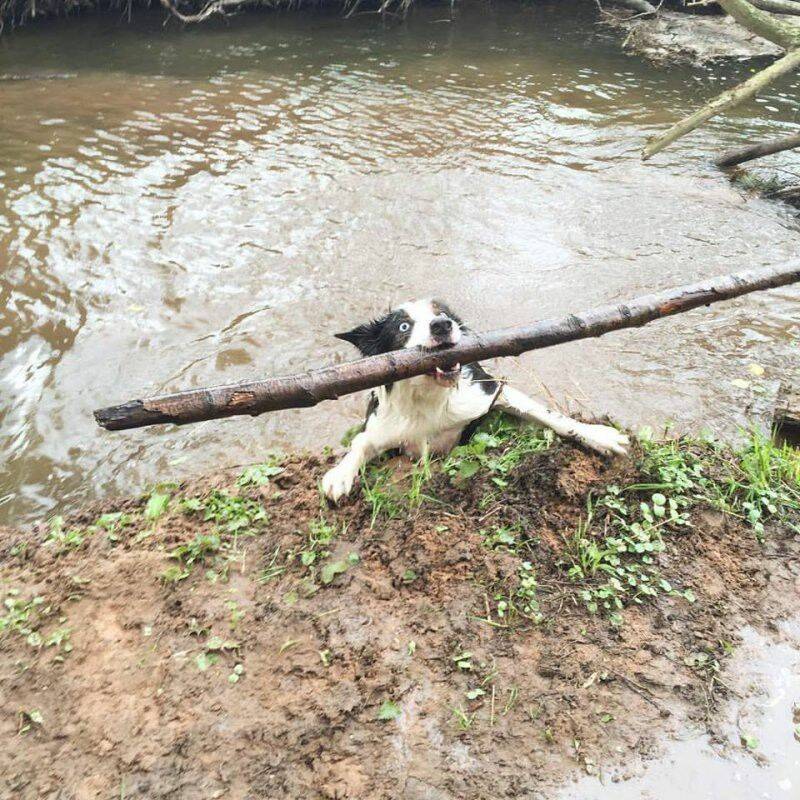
463	719
27	618
501	537
65	538
27	719
382	495
113	524
764	482
260	474
156	505
497	447
23	617
232	514
389	710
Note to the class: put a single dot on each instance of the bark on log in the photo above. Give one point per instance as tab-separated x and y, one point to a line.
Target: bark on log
733	157
778	6
309	388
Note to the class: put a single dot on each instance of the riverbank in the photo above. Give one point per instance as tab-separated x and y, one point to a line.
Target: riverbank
489	624
673	34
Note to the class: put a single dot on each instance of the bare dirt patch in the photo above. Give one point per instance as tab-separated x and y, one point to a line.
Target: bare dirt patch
373	663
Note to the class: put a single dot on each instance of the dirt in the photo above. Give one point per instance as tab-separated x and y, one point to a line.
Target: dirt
676	37
128	711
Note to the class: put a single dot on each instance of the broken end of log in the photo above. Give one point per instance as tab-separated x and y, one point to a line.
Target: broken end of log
133	414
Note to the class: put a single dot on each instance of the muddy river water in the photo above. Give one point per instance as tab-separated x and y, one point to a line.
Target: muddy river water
184	207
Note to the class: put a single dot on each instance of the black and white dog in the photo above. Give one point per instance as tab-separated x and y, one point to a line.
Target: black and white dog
432	413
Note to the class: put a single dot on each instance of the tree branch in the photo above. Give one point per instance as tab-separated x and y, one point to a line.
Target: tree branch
791	7
728	99
733	157
309	388
765	25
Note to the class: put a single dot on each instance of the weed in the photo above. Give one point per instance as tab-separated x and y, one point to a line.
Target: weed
27	719
260	474
156	505
764	482
463	720
386	501
65	538
26	618
273	569
389	710
501	537
113	524
497	447
233	515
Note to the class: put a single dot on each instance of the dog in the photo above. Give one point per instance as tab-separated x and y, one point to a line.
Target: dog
432	413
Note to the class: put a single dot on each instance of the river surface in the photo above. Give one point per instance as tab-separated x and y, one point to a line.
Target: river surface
182	207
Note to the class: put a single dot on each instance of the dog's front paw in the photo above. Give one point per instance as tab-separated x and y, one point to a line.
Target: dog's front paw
338	482
604	439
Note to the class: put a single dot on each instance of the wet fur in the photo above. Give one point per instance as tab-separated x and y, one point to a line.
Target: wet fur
432	414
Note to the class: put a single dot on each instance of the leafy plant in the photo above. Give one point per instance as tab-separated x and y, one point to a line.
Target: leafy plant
259	474
498	446
389	710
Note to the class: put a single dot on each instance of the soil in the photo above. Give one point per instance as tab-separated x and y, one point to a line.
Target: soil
676	37
140	708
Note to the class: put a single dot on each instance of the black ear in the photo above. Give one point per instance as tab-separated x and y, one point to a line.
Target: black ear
364	337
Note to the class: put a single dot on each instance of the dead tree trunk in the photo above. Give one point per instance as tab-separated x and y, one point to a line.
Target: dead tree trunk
733	157
329	383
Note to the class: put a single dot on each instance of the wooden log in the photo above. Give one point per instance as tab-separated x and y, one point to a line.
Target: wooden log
312	387
752	151
724	101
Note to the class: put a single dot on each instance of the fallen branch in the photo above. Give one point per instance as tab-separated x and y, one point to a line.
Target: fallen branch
733	157
329	383
763	24
732	97
791	7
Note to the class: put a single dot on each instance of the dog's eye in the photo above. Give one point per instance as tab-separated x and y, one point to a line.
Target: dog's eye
404	326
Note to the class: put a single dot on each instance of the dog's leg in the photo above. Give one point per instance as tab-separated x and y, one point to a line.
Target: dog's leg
603	438
338	481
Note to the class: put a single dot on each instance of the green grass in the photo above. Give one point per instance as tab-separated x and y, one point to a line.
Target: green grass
495	450
612	555
233	516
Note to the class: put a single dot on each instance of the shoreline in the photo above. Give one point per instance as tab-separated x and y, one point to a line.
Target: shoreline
449	623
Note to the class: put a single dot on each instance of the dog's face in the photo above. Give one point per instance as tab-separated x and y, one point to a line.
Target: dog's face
428	324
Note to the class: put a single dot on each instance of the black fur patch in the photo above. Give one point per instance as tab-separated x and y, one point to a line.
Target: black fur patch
381	335
479	375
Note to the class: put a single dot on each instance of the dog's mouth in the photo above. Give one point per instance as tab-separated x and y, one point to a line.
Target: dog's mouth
446	377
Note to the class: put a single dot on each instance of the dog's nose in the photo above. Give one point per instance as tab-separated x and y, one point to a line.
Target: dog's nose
441	326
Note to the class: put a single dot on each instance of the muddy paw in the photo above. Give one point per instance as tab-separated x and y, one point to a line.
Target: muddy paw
338	482
604	439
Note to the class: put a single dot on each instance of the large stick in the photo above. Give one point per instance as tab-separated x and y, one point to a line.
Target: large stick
733	157
309	388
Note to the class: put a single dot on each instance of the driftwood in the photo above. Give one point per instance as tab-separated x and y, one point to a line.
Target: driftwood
785	34
329	383
733	157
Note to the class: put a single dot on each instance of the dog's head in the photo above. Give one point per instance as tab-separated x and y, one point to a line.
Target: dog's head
428	324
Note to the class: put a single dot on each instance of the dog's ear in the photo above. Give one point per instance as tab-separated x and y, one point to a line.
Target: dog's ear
364	337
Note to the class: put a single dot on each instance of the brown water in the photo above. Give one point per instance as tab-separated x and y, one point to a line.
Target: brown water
184	207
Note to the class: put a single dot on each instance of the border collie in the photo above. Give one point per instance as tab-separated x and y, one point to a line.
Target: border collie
432	413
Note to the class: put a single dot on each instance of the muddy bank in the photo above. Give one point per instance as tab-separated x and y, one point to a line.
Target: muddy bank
482	627
676	37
